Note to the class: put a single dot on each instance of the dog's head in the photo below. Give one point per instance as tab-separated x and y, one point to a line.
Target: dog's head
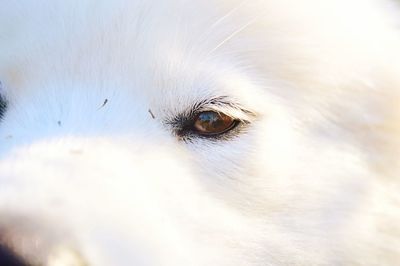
192	133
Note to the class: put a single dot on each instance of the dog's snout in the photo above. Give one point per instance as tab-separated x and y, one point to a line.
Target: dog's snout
29	244
17	249
17	243
9	257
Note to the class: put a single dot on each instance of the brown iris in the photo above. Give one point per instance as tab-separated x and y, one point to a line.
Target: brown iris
213	123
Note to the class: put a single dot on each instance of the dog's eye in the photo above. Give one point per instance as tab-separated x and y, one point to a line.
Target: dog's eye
217	119
3	106
210	123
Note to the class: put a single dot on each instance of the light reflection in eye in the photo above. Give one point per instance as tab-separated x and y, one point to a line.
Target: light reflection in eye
213	123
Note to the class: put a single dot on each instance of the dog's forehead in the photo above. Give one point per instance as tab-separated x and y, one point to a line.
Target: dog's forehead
148	54
93	45
178	48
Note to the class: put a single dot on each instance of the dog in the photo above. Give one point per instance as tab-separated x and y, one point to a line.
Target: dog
177	132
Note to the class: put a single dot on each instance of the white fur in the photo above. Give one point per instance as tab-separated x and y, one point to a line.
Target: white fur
312	181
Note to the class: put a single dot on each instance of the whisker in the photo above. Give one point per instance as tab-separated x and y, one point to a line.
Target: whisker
227	15
232	35
205	35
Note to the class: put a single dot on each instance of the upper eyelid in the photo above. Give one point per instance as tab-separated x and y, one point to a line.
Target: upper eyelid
226	106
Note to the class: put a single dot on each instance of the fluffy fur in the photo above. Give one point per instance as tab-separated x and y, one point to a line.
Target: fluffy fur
92	177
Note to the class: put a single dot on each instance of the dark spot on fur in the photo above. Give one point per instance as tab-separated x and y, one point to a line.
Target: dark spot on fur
152	115
104	103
